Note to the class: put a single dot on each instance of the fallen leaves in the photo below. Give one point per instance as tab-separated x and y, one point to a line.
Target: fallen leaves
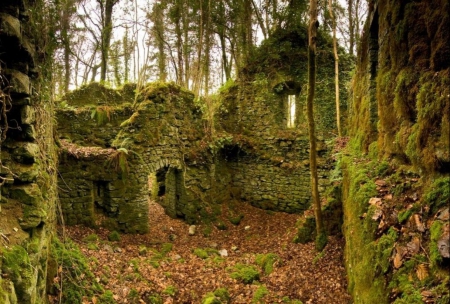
297	277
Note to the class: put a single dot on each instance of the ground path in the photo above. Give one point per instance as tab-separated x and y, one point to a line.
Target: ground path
141	266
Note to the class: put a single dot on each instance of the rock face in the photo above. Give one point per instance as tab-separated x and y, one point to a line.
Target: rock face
28	190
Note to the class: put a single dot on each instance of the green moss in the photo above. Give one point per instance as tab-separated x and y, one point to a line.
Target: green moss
92	246
114	236
221	225
287	300
205	253
155	299
222	294
245	273
170	290
366	281
383	247
306	230
259	294
404	215
267	261
107	298
404	281
207	230
321	241
201	253
436	233
236	220
91	238
78	280
166	248
438	193
210	298
16	265
219	296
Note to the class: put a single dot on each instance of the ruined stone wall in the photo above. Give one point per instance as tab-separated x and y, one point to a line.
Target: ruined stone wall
28	195
278	178
92	125
110	187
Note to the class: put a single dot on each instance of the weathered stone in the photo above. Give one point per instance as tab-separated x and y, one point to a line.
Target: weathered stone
192	230
29	133
26	153
27	115
20	83
25	173
29	194
33	216
10	26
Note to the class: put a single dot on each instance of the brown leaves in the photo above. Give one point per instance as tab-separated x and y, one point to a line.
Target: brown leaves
321	281
422	272
419	225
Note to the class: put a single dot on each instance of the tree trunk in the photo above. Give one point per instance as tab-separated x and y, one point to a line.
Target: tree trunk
336	68
351	27
313	23
106	7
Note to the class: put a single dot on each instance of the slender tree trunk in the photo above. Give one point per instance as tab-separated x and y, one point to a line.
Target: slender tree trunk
199	67
321	238
65	38
107	9
260	19
336	68
179	44
351	26
207	58
186	43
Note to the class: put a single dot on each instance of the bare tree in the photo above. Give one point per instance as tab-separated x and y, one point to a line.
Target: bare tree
321	238
336	67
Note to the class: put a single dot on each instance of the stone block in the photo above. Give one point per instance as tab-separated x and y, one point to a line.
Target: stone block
20	83
29	194
10	26
26	153
33	216
27	115
25	173
29	132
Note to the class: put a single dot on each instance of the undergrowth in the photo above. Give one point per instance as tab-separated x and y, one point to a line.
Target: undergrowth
75	278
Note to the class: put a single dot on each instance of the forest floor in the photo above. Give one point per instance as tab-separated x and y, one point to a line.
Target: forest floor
163	266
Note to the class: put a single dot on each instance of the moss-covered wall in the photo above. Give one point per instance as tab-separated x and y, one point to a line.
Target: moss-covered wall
28	157
256	104
404	76
275	175
399	129
110	186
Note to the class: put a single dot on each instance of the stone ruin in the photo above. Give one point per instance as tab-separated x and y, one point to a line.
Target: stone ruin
118	151
120	148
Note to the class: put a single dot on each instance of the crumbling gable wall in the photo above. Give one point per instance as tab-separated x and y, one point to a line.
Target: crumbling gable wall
272	168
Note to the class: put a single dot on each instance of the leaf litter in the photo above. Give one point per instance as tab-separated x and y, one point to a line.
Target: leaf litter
137	269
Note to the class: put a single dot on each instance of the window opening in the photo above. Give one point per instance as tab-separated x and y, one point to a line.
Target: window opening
291	111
